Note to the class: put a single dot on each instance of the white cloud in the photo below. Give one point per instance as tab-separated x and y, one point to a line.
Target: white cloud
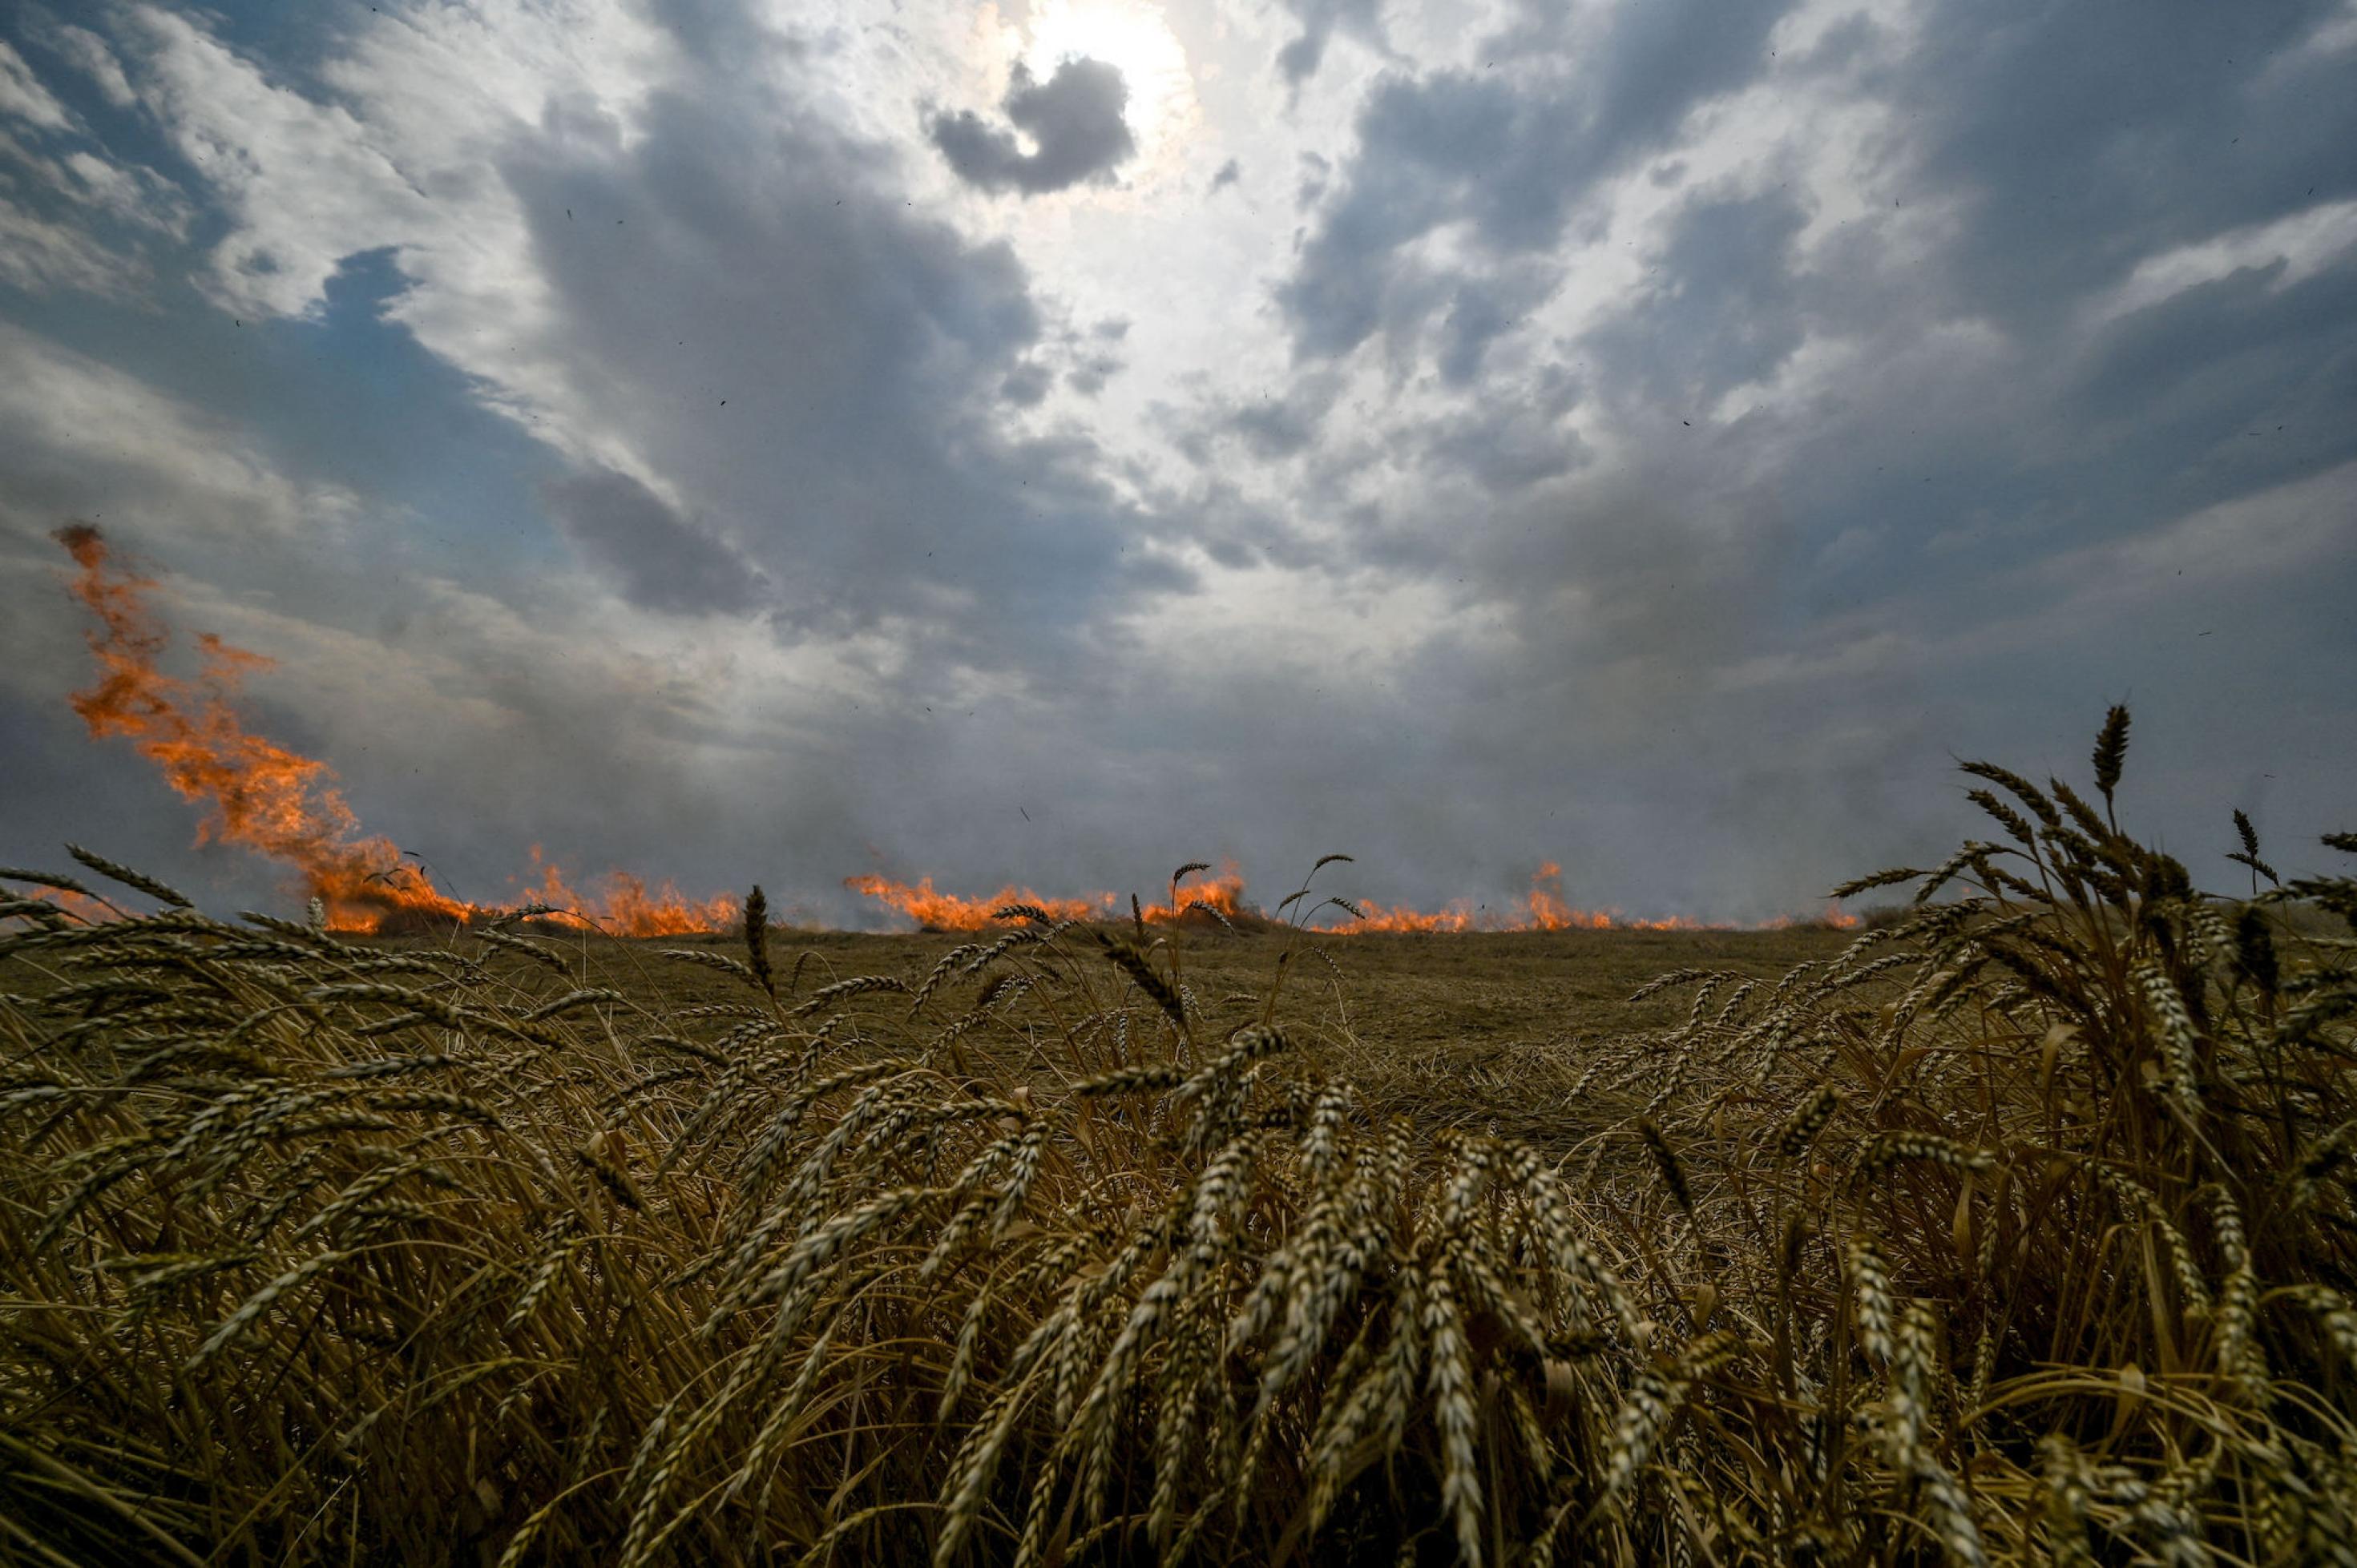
430	99
2272	535
133	195
2305	243
83	438
2335	35
130	195
1303	628
38	255
23	96
304	183
96	60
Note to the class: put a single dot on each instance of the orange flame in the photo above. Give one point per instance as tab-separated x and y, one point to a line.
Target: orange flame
935	911
1832	917
81	905
262	797
947	912
626	904
1223	893
1459	916
1543	908
1548	912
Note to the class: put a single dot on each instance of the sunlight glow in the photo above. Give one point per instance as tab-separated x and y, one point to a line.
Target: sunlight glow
1133	37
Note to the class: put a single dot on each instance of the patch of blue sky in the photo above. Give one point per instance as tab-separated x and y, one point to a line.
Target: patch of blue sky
342	396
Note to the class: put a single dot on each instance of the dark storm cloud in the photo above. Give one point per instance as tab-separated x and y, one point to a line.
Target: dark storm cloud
1088	359
1274	427
742	299
1509	451
660	559
2250	373
2083	137
1025	385
1278	423
1482	309
1748	591
1089	375
1730	311
1508	155
1074	120
1237	532
2059	181
1710	647
839	415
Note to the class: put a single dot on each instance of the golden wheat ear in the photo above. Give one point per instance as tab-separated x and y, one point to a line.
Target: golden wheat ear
756	941
163	893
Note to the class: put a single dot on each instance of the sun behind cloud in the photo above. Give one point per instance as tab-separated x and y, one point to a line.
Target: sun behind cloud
1134	38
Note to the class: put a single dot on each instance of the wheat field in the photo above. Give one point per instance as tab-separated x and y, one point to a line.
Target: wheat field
2014	1227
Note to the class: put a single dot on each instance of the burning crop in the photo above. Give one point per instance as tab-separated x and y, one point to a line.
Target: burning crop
1541	909
937	911
265	796
261	796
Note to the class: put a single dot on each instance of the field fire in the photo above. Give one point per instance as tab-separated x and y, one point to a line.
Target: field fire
259	796
1541	909
676	676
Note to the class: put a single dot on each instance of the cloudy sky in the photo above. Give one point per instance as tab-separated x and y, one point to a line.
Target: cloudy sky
781	439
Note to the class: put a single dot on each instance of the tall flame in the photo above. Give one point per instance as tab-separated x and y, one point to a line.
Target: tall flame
261	796
1223	894
264	797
